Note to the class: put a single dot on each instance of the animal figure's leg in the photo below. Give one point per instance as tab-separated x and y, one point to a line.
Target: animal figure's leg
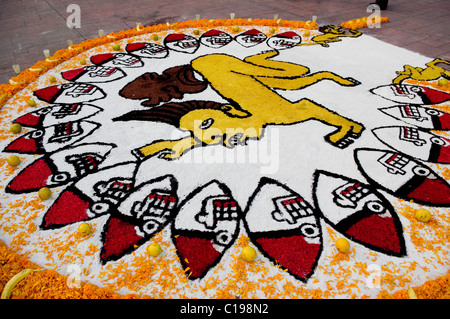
290	76
307	80
279	69
442	71
166	149
436	61
347	130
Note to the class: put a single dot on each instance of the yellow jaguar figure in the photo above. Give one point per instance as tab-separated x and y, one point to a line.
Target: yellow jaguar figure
253	104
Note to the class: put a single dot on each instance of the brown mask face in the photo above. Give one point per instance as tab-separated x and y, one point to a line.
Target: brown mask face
156	88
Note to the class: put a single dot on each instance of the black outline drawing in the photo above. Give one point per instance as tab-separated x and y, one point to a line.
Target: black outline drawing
405	89
347	222
58	140
146	45
411	185
282	233
211	235
94	79
435	141
106	58
59	89
135	221
59	178
181	49
104	203
414	110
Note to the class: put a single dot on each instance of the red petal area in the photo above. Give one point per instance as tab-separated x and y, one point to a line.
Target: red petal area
102	58
30	120
377	231
433	191
444	119
199	252
68	208
119	237
436	96
135	46
71	75
31	178
444	155
23	144
293	253
48	94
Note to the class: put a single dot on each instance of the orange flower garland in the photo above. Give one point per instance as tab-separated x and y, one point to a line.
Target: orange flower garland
361	23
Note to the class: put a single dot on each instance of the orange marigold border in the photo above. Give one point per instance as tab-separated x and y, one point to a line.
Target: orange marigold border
48	284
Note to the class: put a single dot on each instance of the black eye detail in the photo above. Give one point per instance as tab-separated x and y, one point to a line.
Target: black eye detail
67	85
206	123
100	208
36	134
421	171
433	112
223	238
43	111
437	140
310	230
60	177
150	227
375	207
416	89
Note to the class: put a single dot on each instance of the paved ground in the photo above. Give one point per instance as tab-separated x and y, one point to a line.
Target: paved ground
30	26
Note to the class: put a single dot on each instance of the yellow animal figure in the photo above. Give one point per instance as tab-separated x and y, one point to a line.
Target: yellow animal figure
431	72
247	84
331	34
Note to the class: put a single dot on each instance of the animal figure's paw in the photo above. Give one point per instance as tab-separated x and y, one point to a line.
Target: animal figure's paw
353	81
166	154
344	137
348	139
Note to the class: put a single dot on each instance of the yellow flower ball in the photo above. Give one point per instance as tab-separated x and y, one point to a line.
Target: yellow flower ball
443	82
84	229
342	245
15	128
422	215
154	249
31	102
248	253
13	160
44	193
